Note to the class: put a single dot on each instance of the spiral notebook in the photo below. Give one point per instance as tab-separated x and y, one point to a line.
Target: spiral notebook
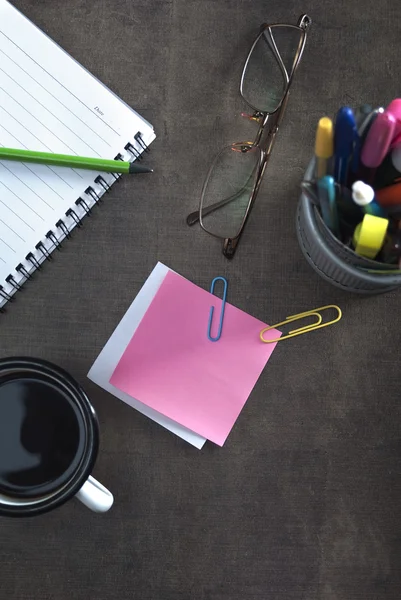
50	103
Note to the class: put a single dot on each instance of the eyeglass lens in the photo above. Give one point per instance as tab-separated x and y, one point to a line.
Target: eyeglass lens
270	66
231	181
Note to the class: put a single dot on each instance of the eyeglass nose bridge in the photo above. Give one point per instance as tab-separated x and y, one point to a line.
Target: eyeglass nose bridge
257	116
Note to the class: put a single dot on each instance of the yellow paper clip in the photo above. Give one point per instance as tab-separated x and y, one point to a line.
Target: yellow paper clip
306	328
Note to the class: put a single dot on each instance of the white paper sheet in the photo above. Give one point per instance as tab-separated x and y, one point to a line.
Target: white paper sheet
109	357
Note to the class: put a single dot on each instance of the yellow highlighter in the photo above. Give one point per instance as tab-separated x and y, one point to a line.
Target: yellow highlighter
324	146
369	236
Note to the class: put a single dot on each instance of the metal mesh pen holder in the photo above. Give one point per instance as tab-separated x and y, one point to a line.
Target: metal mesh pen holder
331	259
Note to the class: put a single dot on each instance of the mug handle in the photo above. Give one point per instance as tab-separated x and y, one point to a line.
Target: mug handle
95	496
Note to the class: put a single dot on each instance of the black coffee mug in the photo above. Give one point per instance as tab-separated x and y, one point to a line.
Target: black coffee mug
49	439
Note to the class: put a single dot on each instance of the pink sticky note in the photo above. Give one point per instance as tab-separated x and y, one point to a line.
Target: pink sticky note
171	366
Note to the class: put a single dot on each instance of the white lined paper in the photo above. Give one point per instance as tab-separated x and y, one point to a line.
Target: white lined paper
48	103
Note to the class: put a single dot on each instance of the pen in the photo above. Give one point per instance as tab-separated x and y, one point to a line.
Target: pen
359	170
395	109
327	200
396	159
323	146
377	142
345	138
364	196
78	162
390	169
386	174
361	114
390	195
368	121
350	213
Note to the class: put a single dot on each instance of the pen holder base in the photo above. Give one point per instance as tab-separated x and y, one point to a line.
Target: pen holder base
335	262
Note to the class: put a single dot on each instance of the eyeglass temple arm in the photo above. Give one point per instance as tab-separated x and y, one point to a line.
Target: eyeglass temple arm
230	244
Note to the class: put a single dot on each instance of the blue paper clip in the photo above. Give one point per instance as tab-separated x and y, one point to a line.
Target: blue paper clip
223	306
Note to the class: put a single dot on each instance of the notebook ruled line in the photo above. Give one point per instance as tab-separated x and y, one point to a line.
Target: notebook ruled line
8	245
11	229
26	129
50	112
35	136
26	147
55	97
45	182
36	175
26	185
27	205
36	119
16	215
63	86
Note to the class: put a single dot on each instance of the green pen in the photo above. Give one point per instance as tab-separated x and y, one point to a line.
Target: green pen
78	162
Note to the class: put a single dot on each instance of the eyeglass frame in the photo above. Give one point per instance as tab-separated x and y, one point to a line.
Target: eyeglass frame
269	123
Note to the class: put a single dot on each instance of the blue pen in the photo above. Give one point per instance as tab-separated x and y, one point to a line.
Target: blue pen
327	198
346	144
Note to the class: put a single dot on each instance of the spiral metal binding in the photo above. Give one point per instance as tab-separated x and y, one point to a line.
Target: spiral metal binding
10	279
132	150
82	203
21	269
34	261
140	140
42	248
61	225
102	182
71	213
53	238
91	192
4	295
117	175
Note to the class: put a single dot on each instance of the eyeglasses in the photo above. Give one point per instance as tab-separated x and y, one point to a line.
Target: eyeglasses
234	178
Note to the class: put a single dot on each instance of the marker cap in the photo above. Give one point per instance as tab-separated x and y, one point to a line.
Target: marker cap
362	193
324	138
378	140
369	236
395	109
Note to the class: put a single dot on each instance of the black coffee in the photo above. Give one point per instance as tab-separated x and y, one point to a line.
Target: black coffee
41	436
